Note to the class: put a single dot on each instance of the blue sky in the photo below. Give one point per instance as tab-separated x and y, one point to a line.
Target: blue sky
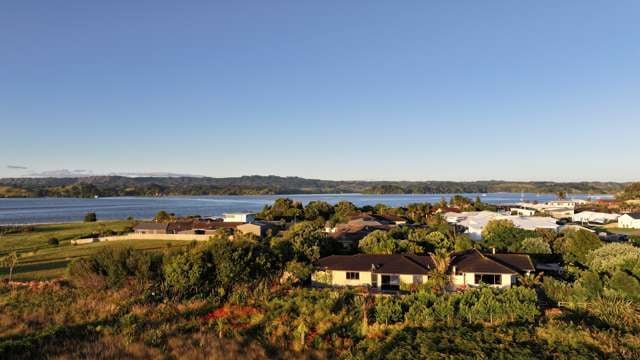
422	90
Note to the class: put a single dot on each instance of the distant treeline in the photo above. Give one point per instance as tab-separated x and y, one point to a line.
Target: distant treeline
273	185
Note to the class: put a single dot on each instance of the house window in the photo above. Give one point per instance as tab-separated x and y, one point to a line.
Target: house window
417	279
352	275
489	279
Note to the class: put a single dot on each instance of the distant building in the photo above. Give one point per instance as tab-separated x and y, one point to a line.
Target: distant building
592	217
475	221
571	204
522	211
185	226
260	229
629	221
560	213
207	226
151	228
350	233
239	217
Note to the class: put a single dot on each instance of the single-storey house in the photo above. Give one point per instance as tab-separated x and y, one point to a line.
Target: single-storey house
207	227
385	272
560	212
350	233
173	227
151	228
570	204
594	217
475	221
629	221
522	211
259	228
471	268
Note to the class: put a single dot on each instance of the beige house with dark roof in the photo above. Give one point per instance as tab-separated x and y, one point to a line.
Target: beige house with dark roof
471	268
385	272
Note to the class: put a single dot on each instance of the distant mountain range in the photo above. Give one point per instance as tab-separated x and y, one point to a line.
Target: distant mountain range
91	186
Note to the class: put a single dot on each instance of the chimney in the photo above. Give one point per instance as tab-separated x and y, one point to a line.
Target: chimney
493	251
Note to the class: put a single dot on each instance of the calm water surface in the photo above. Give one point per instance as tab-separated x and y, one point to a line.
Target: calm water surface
52	210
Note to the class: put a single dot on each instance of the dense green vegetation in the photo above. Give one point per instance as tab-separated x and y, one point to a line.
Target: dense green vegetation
631	192
264	185
248	298
228	300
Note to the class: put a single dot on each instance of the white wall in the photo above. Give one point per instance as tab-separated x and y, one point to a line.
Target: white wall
469	279
627	222
239	217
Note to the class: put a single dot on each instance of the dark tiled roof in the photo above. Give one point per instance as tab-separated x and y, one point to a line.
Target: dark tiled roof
348	235
212	225
391	217
151	226
519	262
385	264
180	225
634	215
474	261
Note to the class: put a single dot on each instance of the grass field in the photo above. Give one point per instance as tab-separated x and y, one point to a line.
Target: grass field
39	260
616	230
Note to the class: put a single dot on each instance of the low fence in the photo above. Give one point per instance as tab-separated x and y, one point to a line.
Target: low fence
134	236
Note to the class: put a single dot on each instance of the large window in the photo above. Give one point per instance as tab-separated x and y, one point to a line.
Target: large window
352	275
489	279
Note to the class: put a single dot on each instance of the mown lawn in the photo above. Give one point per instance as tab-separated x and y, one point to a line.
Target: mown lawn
39	260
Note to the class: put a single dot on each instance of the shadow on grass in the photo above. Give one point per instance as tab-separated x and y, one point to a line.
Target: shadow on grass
34	267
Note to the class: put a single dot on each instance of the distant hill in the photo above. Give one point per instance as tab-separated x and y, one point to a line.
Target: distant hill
91	186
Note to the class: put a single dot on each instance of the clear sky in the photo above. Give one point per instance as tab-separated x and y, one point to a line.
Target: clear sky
411	90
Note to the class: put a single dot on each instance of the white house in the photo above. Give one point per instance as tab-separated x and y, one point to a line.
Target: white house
571	204
522	211
476	221
629	221
239	217
560	213
594	217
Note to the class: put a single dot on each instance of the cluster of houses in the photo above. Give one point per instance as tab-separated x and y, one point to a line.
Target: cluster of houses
244	223
551	215
387	272
466	269
475	221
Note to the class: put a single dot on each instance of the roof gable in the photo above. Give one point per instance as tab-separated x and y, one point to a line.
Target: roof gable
392	264
474	261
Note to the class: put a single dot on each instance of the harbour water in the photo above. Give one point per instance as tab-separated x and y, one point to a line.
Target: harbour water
54	210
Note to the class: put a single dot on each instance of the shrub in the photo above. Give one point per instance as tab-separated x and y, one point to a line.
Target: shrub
189	273
625	284
388	310
535	245
53	241
503	235
575	245
90	217
615	256
112	266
